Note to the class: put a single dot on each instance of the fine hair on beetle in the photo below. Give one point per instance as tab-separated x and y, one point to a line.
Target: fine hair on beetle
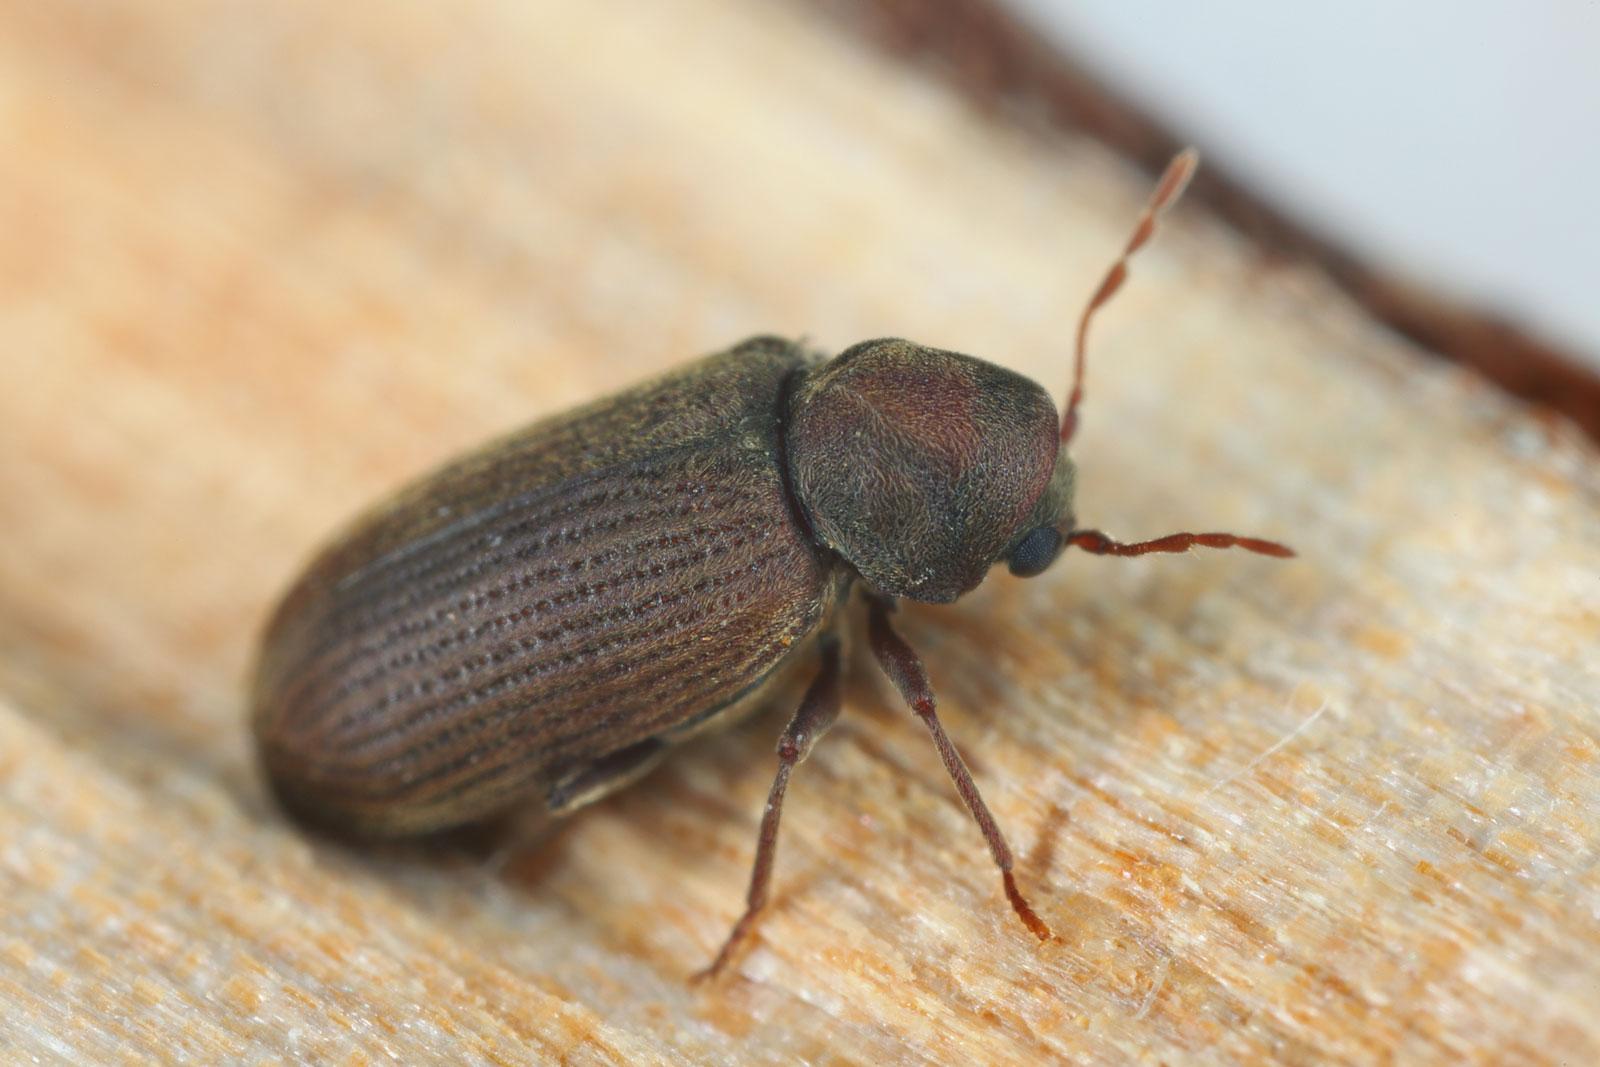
536	624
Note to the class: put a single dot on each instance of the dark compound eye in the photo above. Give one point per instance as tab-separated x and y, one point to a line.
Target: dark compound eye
1036	552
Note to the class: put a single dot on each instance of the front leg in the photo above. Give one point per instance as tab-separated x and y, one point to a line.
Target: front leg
901	663
817	711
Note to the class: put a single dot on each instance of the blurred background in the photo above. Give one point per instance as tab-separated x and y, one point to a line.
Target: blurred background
1453	141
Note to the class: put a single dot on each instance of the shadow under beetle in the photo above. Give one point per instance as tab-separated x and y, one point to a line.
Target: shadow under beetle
540	621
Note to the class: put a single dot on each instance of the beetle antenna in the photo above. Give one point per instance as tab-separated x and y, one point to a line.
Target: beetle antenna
1101	545
1171	186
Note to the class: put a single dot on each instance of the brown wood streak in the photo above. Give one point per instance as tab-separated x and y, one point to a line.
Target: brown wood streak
998	61
599	579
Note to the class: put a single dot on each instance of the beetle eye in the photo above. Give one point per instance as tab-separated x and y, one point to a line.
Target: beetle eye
1036	552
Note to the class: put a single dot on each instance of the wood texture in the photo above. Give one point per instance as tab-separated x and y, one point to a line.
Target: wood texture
264	262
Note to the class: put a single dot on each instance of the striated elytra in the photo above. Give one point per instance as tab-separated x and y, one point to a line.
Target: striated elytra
535	624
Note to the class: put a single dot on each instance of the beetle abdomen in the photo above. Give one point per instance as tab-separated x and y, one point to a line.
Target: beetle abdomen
557	598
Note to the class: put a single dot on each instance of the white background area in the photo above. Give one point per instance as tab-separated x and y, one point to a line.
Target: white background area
1455	140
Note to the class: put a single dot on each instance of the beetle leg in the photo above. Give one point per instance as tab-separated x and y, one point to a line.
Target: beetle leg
605	775
1098	543
904	668
817	711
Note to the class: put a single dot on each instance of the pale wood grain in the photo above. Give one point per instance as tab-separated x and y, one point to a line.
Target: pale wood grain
260	262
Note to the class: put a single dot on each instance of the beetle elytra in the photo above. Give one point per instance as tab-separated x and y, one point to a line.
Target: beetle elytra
537	623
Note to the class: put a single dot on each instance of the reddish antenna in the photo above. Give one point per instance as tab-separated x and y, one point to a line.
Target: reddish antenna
1171	186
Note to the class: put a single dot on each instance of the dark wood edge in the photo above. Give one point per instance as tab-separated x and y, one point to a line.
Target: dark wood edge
1007	69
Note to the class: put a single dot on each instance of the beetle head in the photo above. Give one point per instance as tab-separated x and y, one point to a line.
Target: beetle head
922	468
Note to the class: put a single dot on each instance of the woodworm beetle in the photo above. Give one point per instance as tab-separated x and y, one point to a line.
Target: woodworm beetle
537	623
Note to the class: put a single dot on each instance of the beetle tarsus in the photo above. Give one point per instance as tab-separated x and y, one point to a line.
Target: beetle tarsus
904	668
1024	910
817	711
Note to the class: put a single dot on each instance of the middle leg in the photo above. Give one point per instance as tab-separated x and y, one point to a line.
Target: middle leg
817	711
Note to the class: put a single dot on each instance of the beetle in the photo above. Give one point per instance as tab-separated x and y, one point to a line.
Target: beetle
538	623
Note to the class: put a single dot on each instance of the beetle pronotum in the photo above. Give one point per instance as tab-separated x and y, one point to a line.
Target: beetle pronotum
538	622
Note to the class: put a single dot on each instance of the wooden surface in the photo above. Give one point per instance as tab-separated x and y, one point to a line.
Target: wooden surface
261	262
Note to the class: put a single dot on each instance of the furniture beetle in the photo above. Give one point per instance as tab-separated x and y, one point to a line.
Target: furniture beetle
539	622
